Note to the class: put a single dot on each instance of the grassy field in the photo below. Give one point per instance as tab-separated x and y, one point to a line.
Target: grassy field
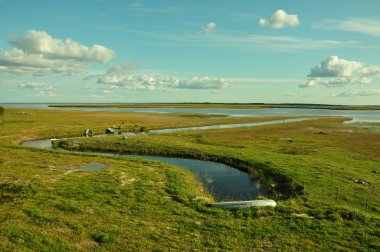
219	105
47	203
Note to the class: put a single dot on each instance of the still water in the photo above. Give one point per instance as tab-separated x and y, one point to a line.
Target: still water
356	115
223	181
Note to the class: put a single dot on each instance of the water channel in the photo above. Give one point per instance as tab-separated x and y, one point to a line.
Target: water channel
223	181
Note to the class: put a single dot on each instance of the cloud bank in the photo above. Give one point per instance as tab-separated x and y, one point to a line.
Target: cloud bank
280	19
36	86
41	89
368	26
337	72
38	53
356	93
121	76
154	82
40	42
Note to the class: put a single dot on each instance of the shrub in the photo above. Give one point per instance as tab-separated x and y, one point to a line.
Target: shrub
13	192
1	112
103	237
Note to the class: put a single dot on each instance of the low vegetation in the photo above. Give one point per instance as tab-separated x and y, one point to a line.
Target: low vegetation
1	112
317	157
134	204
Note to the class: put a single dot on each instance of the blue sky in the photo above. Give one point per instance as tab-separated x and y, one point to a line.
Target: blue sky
292	51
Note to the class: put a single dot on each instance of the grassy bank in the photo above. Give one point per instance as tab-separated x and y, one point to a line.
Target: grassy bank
25	124
316	158
46	203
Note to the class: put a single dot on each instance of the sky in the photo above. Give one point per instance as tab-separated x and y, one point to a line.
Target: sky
249	51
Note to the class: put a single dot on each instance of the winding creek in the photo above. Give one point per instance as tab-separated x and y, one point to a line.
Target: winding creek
223	181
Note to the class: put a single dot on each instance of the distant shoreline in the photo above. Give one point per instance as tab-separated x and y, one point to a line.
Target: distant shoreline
217	105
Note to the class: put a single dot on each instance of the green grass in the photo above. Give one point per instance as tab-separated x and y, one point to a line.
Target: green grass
140	205
321	163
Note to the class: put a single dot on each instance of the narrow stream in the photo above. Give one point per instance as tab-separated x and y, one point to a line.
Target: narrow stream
223	181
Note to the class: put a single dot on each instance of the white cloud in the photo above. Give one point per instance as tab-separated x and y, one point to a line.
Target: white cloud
336	72
279	20
336	82
114	79
203	83
122	68
114	74
48	94
335	67
245	41
153	82
209	27
40	89
356	93
106	91
139	7
17	61
40	42
371	71
36	86
122	76
242	41
38	53
368	26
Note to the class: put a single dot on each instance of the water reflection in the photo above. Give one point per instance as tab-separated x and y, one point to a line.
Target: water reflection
223	181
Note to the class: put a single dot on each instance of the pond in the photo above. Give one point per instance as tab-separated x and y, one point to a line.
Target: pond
223	181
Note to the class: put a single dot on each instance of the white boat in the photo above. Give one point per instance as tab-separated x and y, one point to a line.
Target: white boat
245	204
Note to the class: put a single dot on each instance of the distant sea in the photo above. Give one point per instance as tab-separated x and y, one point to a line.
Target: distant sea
356	115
